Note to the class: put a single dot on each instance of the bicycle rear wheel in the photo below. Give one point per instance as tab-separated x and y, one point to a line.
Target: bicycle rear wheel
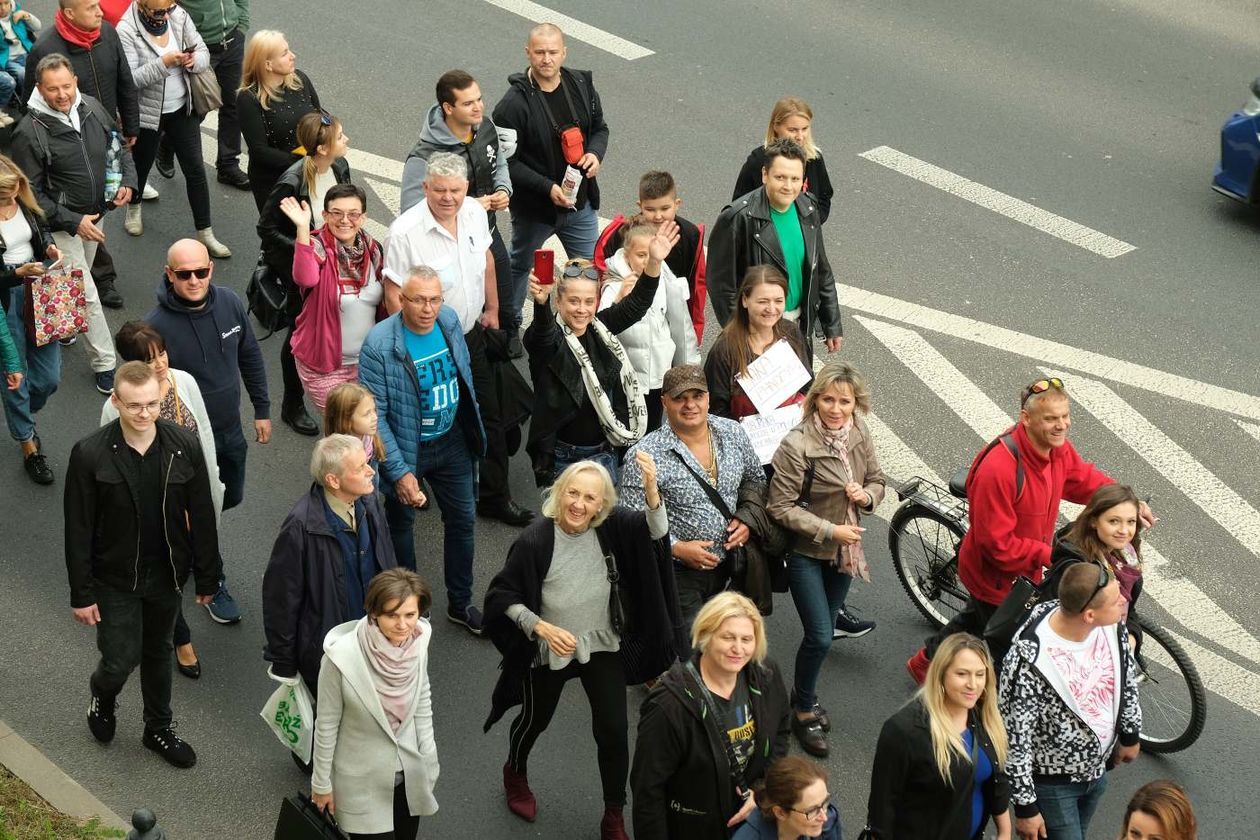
1174	704
924	545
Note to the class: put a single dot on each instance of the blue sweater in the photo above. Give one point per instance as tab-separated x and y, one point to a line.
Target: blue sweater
215	344
387	370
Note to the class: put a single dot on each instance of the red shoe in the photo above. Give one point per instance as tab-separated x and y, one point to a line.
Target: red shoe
612	826
520	799
917	665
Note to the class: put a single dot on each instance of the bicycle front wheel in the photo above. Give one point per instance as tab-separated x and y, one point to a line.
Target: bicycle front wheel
924	545
1174	704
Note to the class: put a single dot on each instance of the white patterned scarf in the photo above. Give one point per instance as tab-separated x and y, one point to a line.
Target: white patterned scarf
614	431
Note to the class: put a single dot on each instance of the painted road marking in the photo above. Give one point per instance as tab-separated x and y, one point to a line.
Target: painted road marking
1199	484
1201	394
1222	677
999	202
1250	428
574	28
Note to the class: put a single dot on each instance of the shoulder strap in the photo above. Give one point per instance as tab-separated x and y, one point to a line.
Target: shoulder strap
709	490
609	563
1007	439
807	485
714	715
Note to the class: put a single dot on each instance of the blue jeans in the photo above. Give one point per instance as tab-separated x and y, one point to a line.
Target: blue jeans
231	452
8	85
17	69
577	230
603	454
450	470
818	591
43	373
1067	807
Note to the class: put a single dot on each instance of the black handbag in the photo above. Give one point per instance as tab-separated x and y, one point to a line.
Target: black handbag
1019	602
267	298
619	610
301	820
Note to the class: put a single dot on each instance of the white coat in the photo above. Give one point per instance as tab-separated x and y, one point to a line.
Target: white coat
190	395
356	751
664	337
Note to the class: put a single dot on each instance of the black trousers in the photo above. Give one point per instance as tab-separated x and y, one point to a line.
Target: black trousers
405	825
696	586
972	619
135	630
493	474
183	131
226	64
294	393
604	681
502	277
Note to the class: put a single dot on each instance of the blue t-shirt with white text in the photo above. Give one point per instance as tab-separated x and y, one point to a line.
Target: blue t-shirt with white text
438	380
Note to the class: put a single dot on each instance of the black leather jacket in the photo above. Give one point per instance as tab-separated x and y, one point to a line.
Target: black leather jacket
103	526
744	236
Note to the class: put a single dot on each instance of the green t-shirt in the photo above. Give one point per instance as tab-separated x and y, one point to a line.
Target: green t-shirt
788	226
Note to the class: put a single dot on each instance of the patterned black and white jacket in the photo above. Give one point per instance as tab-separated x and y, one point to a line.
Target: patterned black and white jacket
1049	739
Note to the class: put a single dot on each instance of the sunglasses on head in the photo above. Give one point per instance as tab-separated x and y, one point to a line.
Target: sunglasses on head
588	272
188	273
325	118
1040	387
1104	578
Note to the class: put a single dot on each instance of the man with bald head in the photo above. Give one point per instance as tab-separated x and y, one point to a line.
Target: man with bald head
208	334
551	119
417	367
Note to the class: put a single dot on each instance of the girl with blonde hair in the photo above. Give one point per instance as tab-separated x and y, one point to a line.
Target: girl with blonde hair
791	119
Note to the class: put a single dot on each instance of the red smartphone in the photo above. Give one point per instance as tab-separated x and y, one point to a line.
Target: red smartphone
545	266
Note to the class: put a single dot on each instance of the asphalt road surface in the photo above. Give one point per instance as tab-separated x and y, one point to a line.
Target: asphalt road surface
1100	118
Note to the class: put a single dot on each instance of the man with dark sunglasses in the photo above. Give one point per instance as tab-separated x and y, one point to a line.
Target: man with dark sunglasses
1014	489
208	334
1069	698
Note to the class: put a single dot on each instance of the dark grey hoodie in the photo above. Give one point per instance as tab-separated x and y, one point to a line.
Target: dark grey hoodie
487	159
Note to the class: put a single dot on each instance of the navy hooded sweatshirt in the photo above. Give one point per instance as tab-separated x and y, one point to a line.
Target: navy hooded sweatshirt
215	344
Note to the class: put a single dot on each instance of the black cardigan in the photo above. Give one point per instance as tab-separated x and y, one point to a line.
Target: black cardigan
909	800
647	577
271	133
557	377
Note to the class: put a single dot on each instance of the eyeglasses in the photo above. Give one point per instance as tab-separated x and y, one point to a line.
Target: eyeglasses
588	272
142	408
815	812
158	13
188	273
422	302
348	215
1040	387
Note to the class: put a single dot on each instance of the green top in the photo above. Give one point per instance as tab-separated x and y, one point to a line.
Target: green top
788	225
215	19
9	359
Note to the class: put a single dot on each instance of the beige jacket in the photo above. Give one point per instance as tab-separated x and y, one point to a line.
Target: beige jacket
814	526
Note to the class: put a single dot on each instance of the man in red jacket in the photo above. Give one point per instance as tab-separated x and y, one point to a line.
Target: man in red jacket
1013	521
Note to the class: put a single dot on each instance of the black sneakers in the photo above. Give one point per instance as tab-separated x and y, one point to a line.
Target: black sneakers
170	746
849	626
101	716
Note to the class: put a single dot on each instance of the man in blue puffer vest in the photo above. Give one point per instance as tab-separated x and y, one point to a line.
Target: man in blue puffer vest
416	365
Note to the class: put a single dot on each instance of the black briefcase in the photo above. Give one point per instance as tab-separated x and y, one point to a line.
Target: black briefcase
301	820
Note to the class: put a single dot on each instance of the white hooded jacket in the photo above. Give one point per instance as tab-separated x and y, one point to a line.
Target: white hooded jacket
664	337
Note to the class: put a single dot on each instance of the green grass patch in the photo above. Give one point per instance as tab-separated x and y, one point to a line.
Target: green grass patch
24	816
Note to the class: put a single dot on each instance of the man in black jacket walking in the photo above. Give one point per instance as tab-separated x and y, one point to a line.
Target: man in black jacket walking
81	35
777	224
64	146
553	119
138	518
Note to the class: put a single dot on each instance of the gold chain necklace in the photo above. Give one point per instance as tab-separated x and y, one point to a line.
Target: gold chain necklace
711	467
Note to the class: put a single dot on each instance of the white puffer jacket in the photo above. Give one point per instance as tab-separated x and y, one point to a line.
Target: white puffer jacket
145	59
664	337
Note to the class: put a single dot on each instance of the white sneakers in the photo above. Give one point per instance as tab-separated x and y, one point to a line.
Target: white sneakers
133	224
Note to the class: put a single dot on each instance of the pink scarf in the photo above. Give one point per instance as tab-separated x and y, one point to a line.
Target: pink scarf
851	559
395	671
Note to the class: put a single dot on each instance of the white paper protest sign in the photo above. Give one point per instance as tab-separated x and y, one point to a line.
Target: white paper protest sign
774	377
767	430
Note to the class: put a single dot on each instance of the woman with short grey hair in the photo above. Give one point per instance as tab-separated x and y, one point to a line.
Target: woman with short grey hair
555	612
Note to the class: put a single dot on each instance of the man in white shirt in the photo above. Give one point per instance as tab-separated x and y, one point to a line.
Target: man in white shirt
448	233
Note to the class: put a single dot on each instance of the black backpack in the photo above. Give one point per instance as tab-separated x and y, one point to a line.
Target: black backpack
267	299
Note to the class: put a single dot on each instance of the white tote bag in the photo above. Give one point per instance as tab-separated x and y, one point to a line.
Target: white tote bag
290	713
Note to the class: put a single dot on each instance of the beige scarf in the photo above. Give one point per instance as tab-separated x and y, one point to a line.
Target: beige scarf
851	558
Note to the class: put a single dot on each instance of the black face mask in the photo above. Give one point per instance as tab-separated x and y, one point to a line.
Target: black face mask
154	25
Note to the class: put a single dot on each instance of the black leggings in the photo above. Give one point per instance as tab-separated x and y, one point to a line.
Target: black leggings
293	391
405	825
604	681
183	131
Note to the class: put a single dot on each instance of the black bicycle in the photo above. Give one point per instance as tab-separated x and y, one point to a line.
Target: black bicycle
924	535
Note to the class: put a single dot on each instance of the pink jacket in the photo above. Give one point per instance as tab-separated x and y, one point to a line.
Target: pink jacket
317	334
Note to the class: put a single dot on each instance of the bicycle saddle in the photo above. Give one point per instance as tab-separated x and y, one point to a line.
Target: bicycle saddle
958	482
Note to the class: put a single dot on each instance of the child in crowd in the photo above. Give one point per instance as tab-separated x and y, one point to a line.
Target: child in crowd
19	29
664	337
351	410
658	203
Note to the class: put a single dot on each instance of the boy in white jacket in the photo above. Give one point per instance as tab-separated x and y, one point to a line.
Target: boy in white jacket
664	336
